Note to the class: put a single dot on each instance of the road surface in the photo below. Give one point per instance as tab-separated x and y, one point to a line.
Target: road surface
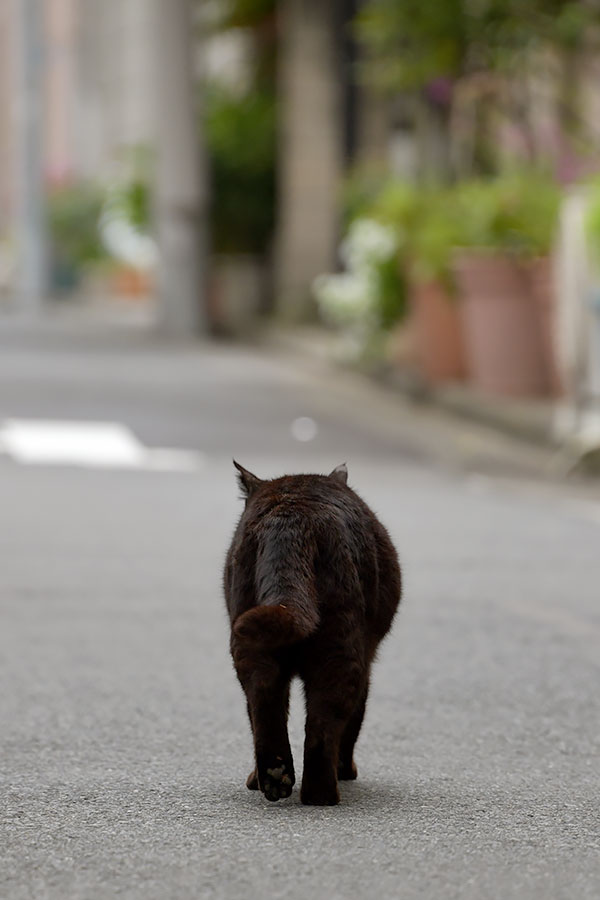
123	736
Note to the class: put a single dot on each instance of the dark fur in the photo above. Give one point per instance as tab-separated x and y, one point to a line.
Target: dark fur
312	584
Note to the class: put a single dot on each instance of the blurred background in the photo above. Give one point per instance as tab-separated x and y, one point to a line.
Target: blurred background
299	232
399	172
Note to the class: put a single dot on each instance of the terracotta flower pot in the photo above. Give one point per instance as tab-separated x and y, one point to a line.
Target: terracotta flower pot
542	287
438	332
501	324
236	291
132	283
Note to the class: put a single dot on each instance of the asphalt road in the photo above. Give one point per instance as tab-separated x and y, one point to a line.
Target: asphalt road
123	737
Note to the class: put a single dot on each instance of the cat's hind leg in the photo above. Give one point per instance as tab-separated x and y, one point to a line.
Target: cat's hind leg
252	779
333	691
347	770
274	763
267	692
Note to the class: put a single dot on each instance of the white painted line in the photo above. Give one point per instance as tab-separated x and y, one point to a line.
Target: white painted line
169	459
102	445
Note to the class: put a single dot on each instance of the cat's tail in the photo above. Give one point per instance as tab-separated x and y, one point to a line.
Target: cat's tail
270	627
286	609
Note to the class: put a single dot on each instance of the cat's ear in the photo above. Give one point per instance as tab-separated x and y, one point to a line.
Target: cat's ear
340	473
247	481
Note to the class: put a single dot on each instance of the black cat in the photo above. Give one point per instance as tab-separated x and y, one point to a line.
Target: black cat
312	583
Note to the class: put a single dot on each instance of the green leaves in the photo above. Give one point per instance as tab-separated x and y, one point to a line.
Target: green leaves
241	141
592	219
516	212
73	217
245	13
411	42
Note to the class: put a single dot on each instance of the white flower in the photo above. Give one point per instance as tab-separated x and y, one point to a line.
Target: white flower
346	297
127	244
367	243
350	299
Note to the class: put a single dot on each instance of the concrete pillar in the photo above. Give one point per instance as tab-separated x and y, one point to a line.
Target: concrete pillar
180	175
373	137
7	117
311	157
30	211
60	85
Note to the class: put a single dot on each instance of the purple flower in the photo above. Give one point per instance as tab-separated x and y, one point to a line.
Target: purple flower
439	91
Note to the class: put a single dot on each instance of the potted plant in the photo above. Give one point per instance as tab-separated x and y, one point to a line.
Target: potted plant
369	296
392	205
75	243
126	227
435	310
426	229
241	141
508	227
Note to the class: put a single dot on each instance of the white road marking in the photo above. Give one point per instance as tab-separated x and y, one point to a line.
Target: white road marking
100	445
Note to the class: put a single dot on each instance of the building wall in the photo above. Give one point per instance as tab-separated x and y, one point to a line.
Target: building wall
7	114
310	151
98	97
60	84
115	100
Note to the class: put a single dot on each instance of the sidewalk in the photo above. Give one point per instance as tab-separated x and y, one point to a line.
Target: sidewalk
529	420
454	429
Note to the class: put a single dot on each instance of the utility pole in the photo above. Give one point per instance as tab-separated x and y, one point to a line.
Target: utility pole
180	175
31	226
310	152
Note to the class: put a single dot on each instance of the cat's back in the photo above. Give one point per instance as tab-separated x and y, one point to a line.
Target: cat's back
331	517
356	563
324	506
312	540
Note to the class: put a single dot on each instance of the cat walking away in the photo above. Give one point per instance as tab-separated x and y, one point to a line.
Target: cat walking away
312	583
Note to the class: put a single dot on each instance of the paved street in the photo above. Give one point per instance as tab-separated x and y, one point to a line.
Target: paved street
123	736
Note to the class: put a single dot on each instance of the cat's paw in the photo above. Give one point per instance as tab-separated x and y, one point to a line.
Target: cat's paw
320	793
276	780
347	771
252	781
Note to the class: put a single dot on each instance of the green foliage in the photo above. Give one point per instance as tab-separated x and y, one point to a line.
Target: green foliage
392	293
129	196
371	293
424	221
359	191
437	233
398	204
516	212
136	202
130	200
393	203
412	42
592	219
73	216
246	13
241	141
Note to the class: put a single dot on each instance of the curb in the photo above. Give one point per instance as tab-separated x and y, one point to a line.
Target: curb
527	420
